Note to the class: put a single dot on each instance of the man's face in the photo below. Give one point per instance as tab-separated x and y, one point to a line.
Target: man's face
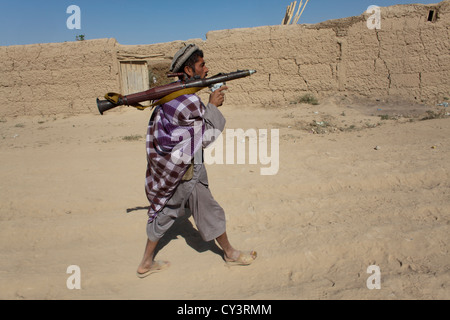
200	69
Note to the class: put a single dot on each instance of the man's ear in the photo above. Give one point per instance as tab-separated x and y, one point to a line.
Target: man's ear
188	70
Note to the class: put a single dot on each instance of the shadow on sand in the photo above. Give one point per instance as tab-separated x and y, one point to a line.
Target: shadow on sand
183	227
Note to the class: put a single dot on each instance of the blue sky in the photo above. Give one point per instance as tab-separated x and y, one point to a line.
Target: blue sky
147	21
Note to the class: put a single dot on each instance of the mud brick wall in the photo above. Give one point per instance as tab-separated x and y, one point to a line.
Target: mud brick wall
56	78
408	59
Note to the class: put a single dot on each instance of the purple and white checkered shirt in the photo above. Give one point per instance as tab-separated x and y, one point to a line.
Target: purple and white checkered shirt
174	136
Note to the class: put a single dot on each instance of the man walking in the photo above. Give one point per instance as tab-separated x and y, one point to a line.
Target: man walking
175	178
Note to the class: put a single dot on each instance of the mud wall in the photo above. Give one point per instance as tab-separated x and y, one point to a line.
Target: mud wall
57	78
407	59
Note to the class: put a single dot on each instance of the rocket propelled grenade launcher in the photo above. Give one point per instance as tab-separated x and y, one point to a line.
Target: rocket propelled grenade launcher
155	94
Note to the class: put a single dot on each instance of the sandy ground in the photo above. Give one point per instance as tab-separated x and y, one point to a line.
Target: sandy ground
72	193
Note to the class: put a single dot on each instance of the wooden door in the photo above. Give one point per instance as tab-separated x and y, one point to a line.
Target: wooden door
134	77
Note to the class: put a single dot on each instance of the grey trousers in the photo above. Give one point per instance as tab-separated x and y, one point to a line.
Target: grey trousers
208	215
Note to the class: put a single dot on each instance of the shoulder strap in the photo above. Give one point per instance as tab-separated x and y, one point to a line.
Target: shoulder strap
170	97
